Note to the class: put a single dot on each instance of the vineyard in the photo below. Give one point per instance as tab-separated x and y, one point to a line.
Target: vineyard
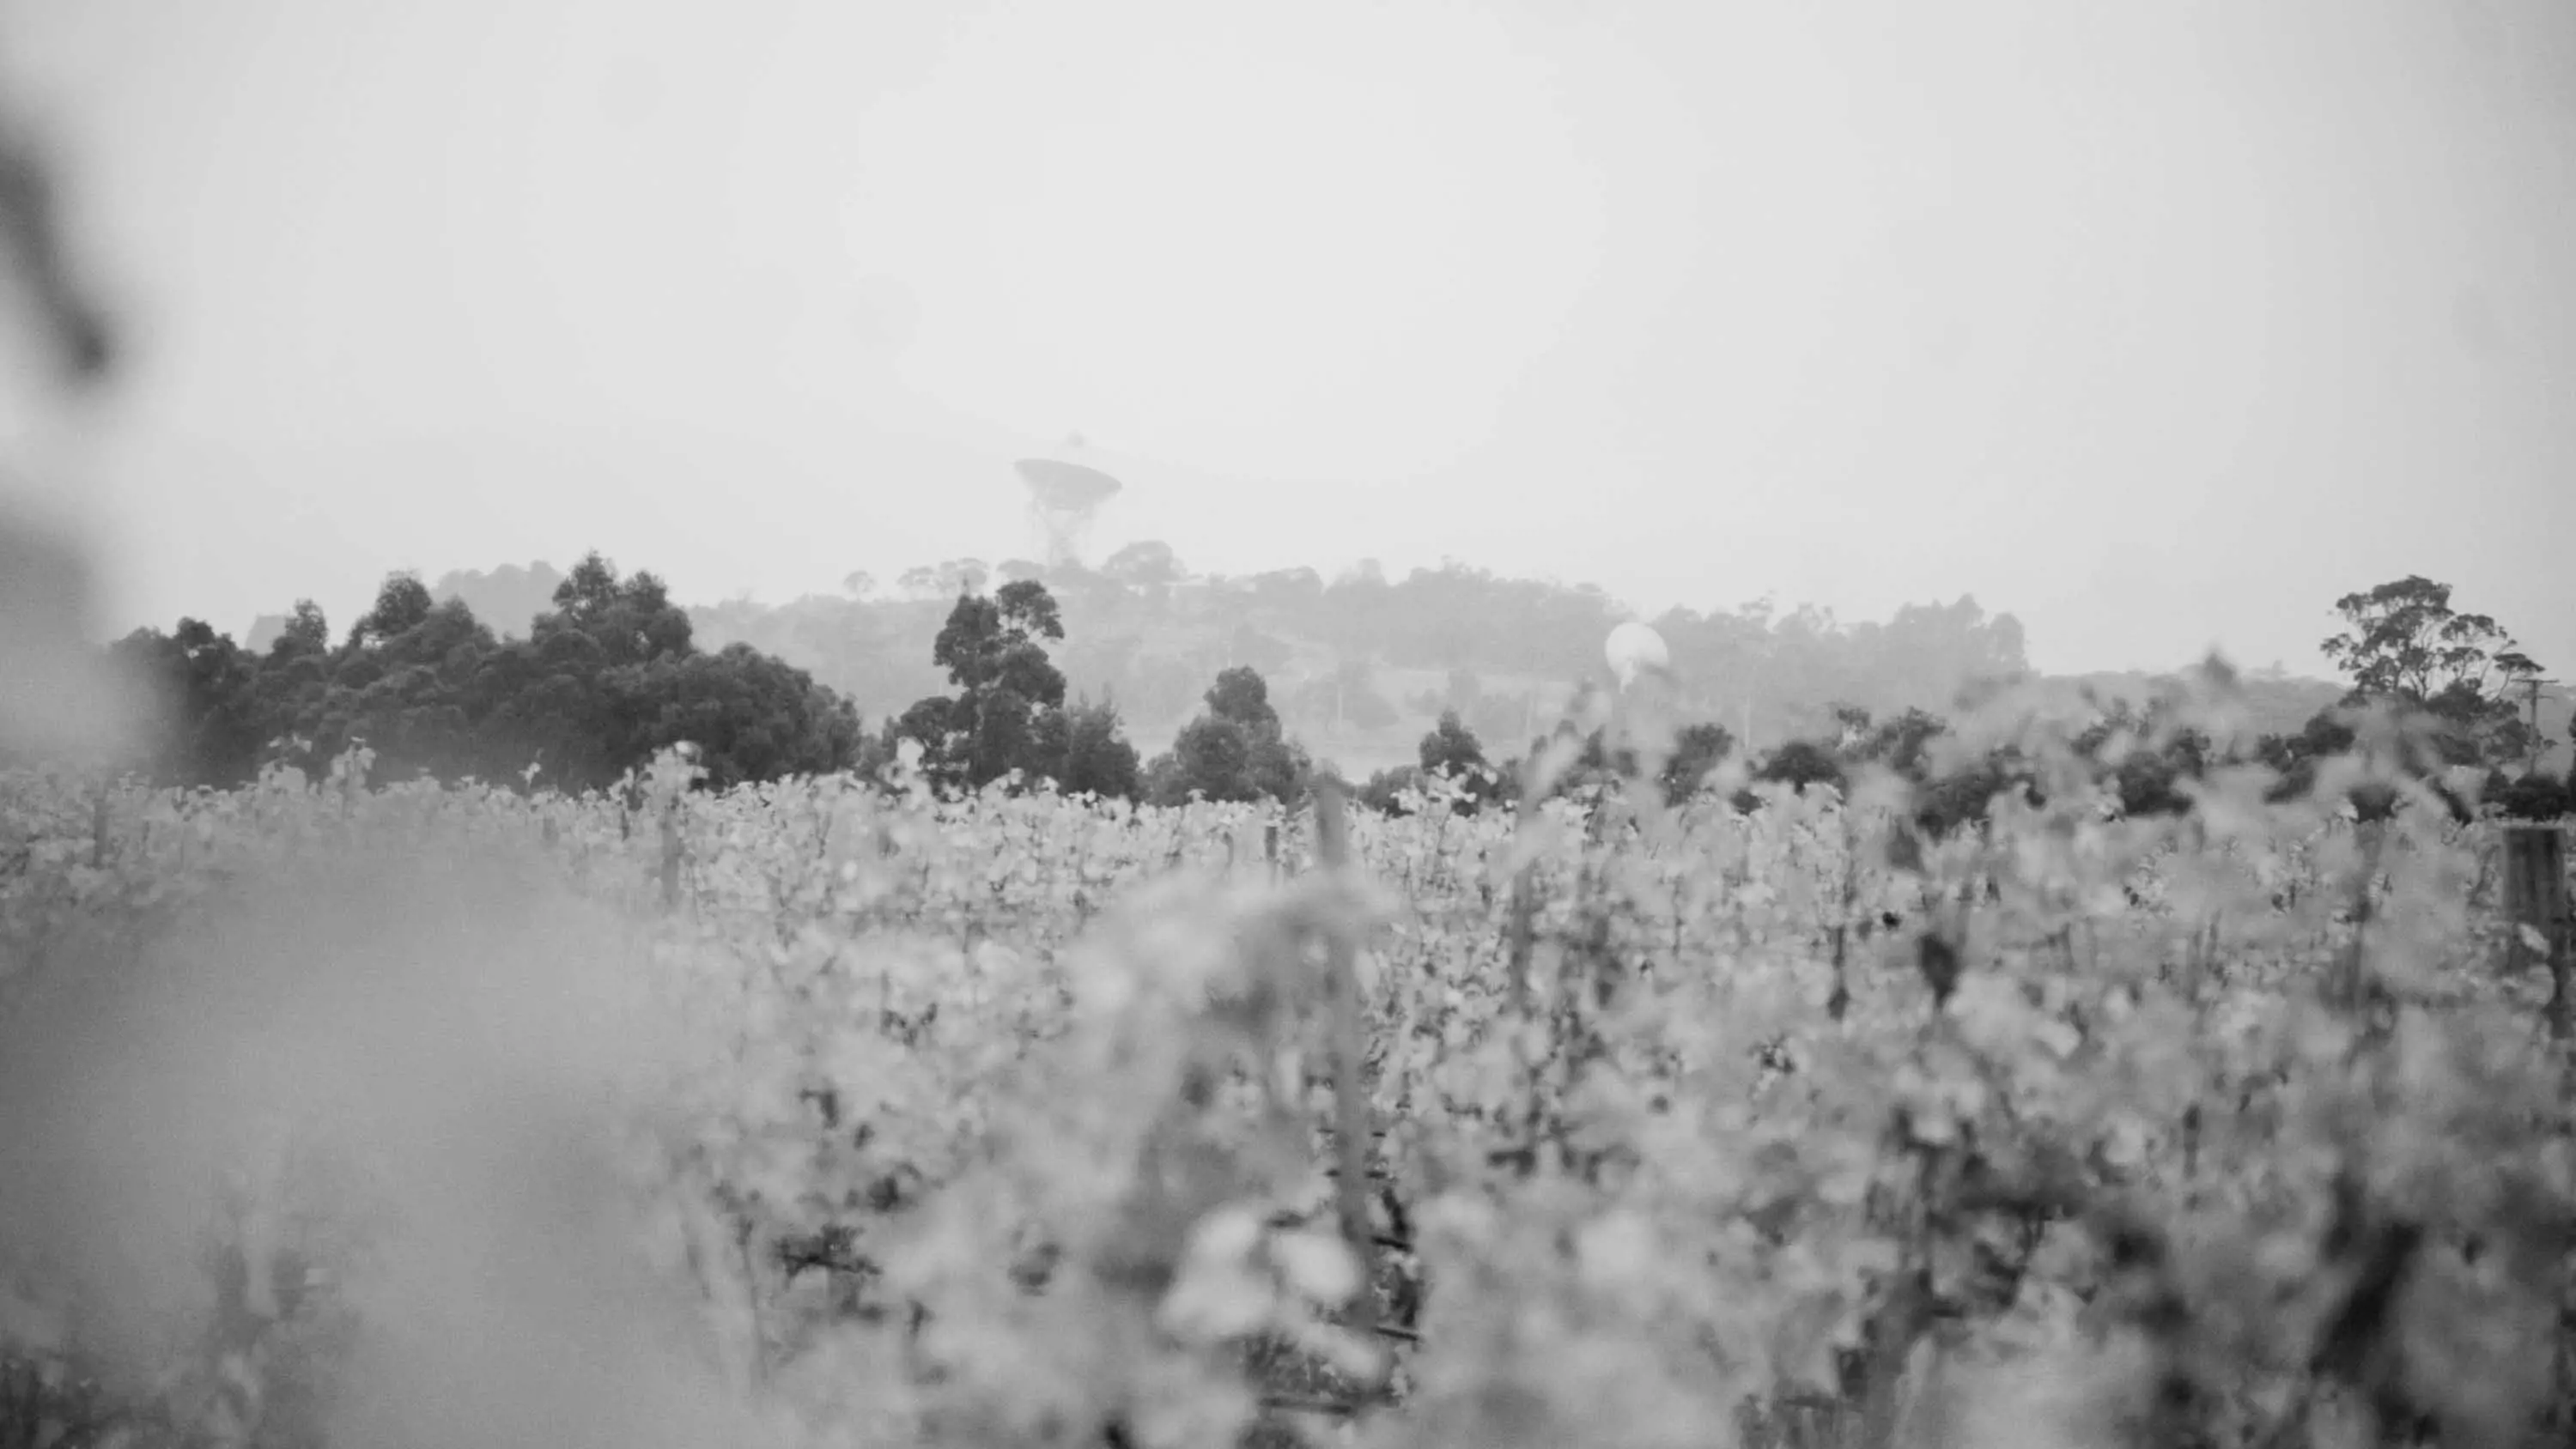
830	1112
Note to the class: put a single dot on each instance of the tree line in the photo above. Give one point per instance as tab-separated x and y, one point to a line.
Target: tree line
1143	627
610	672
2449	675
1506	654
605	677
1009	720
2447	679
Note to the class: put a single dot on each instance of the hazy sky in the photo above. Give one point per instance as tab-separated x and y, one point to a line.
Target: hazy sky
2155	324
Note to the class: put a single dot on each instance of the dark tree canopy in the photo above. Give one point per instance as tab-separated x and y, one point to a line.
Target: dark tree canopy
306	631
1235	751
611	670
631	620
1452	747
1240	695
1009	714
606	679
1697	749
2404	639
403	602
1086	752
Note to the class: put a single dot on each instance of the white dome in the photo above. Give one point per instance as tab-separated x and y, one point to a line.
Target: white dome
1633	648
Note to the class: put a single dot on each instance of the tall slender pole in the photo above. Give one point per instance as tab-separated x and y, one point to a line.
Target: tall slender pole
2531	688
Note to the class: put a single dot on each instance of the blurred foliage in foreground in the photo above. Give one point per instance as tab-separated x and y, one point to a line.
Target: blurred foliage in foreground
815	1112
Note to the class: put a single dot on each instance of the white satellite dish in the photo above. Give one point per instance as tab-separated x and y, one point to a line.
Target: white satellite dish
1063	498
1633	649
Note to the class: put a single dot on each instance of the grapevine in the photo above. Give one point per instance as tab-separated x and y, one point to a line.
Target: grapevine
831	1109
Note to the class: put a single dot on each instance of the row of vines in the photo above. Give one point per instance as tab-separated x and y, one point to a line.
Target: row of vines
832	1111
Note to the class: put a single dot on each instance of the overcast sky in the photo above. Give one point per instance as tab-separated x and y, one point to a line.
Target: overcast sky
2157	324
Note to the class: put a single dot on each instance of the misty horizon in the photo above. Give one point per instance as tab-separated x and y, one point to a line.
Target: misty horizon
2158	333
885	591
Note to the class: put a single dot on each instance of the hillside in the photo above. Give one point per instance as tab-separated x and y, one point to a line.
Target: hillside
1361	666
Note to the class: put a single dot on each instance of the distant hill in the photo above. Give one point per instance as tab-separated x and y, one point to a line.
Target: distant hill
265	630
507	598
1360	666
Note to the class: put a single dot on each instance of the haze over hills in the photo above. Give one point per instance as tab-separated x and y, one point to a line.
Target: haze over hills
1361	664
368	507
2118	352
2157	329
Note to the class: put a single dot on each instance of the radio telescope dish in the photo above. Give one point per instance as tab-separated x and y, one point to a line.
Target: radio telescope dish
1063	499
1634	649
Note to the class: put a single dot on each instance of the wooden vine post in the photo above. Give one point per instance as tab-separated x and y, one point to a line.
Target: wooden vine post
2536	904
1351	1132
